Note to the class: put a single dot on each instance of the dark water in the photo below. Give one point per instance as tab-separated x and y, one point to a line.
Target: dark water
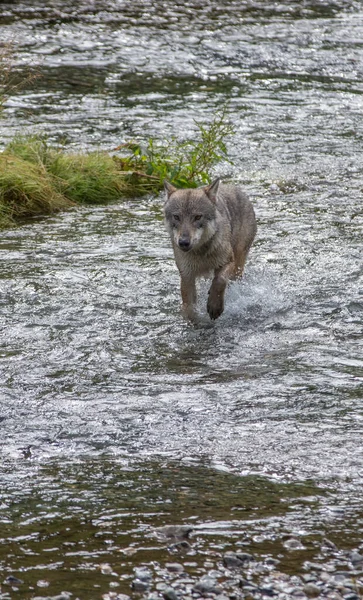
116	415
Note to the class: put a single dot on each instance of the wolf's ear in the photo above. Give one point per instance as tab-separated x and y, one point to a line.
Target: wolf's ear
169	188
212	190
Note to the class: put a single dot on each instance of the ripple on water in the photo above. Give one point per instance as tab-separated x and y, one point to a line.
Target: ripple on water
95	357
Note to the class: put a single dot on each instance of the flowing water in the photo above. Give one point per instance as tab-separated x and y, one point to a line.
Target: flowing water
117	415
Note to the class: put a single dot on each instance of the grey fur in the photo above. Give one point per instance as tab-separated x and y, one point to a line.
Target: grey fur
211	229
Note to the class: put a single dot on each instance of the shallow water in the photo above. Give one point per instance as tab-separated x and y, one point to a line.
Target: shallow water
103	385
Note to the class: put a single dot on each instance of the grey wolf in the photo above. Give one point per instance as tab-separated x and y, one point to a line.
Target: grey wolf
211	229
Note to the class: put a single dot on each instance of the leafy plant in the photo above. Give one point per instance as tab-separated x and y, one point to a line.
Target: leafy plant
185	164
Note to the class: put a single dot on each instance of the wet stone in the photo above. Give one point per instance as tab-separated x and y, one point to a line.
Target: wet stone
314	566
140	586
61	596
356	558
174	532
231	561
245	582
271	562
184	581
268	591
174	567
11	580
311	590
170	594
143	574
249	589
329	544
341	577
245	556
207	585
308	577
179	546
293	544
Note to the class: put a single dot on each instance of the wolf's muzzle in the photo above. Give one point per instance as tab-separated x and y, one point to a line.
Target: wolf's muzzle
184	243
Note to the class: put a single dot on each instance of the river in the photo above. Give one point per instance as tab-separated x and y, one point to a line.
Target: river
118	416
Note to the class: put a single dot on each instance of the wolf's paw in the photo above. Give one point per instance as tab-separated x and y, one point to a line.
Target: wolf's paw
189	312
215	305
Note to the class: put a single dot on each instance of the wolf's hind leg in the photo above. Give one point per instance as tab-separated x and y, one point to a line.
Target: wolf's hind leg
239	266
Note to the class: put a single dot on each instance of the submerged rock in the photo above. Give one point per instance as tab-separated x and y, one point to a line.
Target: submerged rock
207	585
11	580
174	533
140	586
231	561
174	567
293	544
170	594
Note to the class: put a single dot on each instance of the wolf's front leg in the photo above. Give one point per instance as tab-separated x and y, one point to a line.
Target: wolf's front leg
215	304
189	297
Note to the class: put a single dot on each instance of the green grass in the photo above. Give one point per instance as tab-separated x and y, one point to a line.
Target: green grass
38	179
26	190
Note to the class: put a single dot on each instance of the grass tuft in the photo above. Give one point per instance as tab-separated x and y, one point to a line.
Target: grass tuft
26	190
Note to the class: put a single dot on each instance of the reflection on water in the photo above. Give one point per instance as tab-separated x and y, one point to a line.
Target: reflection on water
75	518
95	358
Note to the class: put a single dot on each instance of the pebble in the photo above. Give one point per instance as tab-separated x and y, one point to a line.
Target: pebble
311	590
175	533
174	567
61	596
274	189
142	574
11	580
355	558
170	594
271	562
43	583
293	544
231	561
329	544
140	586
308	577
244	556
207	585
267	591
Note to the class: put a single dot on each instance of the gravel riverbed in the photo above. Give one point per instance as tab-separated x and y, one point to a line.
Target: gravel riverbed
234	575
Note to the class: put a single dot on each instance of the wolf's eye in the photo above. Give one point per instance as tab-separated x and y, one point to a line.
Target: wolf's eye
176	217
197	217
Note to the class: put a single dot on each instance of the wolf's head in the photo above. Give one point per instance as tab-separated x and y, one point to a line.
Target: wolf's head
190	215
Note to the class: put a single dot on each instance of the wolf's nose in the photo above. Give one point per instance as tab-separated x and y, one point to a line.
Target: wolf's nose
184	243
